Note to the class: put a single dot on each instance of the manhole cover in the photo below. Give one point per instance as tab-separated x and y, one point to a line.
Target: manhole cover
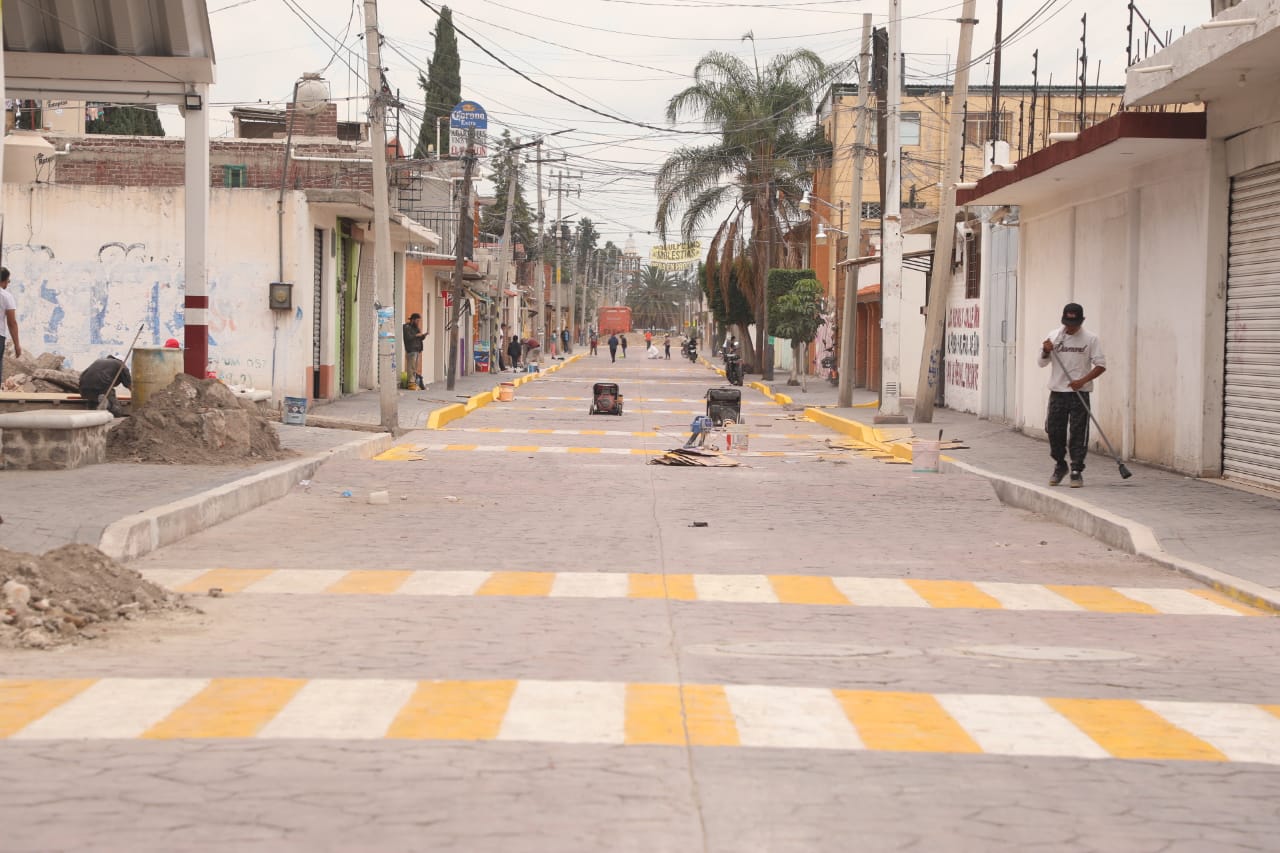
1045	653
799	650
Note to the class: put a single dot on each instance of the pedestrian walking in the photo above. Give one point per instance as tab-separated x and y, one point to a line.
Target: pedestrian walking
564	341
595	342
513	351
1079	361
666	347
622	342
613	348
648	339
9	309
413	336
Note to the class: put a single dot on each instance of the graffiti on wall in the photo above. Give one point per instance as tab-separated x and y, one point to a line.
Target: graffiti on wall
964	346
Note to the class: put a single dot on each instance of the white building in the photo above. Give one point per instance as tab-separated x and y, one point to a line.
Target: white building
1166	227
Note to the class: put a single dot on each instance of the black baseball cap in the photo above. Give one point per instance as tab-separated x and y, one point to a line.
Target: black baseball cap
1072	314
415	316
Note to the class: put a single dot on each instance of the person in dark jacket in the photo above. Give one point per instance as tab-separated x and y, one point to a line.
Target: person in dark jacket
101	378
613	348
413	336
622	342
513	351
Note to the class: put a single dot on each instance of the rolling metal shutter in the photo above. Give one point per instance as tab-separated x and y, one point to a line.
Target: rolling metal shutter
1251	423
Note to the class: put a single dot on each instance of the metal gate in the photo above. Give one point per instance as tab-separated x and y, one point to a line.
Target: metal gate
317	312
1251	415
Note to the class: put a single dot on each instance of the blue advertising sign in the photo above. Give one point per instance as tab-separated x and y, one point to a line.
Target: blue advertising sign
469	115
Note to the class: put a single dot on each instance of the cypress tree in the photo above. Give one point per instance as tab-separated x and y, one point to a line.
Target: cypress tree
442	85
133	120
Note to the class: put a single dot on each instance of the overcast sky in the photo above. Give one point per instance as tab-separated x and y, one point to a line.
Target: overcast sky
627	58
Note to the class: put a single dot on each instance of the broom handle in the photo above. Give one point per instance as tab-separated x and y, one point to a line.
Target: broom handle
1089	411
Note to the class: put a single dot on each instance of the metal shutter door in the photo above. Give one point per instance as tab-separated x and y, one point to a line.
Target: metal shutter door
1251	423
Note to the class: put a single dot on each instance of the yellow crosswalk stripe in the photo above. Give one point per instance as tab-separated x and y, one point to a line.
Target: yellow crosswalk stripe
370	582
454	710
1126	729
946	594
228	708
24	702
797	589
654	714
1227	602
676	587
227	580
518	584
710	718
904	722
1101	599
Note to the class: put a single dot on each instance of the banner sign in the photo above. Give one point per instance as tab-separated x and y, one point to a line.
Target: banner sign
458	143
681	256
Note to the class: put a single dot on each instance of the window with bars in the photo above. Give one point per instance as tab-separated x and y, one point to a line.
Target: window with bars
972	265
1070	122
871	210
977	127
235	176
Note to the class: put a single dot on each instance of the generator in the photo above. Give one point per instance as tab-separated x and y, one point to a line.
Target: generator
724	405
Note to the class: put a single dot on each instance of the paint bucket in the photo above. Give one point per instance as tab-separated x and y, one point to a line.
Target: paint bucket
924	455
153	368
295	411
506	392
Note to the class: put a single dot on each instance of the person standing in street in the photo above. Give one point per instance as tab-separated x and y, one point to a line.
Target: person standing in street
622	342
9	310
413	336
594	342
513	351
666	348
613	348
1079	361
564	341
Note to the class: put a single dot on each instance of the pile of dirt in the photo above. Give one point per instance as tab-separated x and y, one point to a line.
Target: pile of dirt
44	373
67	594
195	422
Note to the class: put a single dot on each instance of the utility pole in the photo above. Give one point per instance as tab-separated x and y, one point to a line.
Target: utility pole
504	251
994	129
891	283
930	378
464	226
383	277
542	322
849	318
560	304
880	79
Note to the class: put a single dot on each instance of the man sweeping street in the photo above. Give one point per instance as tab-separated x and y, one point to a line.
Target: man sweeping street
1079	361
101	378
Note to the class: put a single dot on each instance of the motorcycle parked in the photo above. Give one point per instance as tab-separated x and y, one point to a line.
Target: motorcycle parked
690	351
733	367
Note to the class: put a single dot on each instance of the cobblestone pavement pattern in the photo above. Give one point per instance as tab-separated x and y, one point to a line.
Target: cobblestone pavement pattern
531	647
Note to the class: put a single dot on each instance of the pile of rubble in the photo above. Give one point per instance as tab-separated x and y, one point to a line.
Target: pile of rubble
195	422
68	595
42	374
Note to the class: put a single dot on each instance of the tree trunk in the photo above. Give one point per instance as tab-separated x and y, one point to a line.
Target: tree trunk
794	378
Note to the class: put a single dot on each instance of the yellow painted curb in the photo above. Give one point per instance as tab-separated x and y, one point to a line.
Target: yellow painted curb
440	417
860	431
782	400
479	400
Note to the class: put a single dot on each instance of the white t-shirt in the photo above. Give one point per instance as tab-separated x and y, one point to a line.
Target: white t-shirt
1079	353
7	303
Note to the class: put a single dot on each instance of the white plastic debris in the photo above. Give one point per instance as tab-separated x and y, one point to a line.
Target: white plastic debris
380	498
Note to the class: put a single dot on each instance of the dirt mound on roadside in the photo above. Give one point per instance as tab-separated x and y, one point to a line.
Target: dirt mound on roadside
67	594
195	422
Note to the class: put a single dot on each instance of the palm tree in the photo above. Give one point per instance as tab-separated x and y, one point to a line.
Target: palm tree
654	299
761	155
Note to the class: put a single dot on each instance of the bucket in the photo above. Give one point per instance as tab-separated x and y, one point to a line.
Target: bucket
153	368
506	392
295	411
924	455
737	440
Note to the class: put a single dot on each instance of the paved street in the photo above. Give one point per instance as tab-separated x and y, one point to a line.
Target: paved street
533	647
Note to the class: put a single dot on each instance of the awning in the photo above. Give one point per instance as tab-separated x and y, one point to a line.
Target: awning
920	260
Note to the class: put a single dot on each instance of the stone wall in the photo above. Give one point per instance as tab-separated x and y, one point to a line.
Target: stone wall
54	449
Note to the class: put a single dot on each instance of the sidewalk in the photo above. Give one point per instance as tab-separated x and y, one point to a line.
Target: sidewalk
1221	534
129	509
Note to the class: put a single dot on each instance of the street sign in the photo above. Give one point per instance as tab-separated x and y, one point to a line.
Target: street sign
469	115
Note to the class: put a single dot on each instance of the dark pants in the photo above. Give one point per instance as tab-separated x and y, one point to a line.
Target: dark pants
1068	426
3	342
613	353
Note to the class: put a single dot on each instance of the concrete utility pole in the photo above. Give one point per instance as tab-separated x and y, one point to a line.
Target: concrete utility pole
891	283
560	303
383	275
504	251
464	225
542	323
940	278
849	318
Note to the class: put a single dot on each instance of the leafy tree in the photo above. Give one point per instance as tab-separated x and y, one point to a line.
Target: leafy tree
585	238
131	120
729	306
506	167
759	166
797	314
443	84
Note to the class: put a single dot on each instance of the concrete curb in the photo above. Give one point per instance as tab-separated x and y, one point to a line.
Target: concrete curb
439	418
1117	531
151	529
